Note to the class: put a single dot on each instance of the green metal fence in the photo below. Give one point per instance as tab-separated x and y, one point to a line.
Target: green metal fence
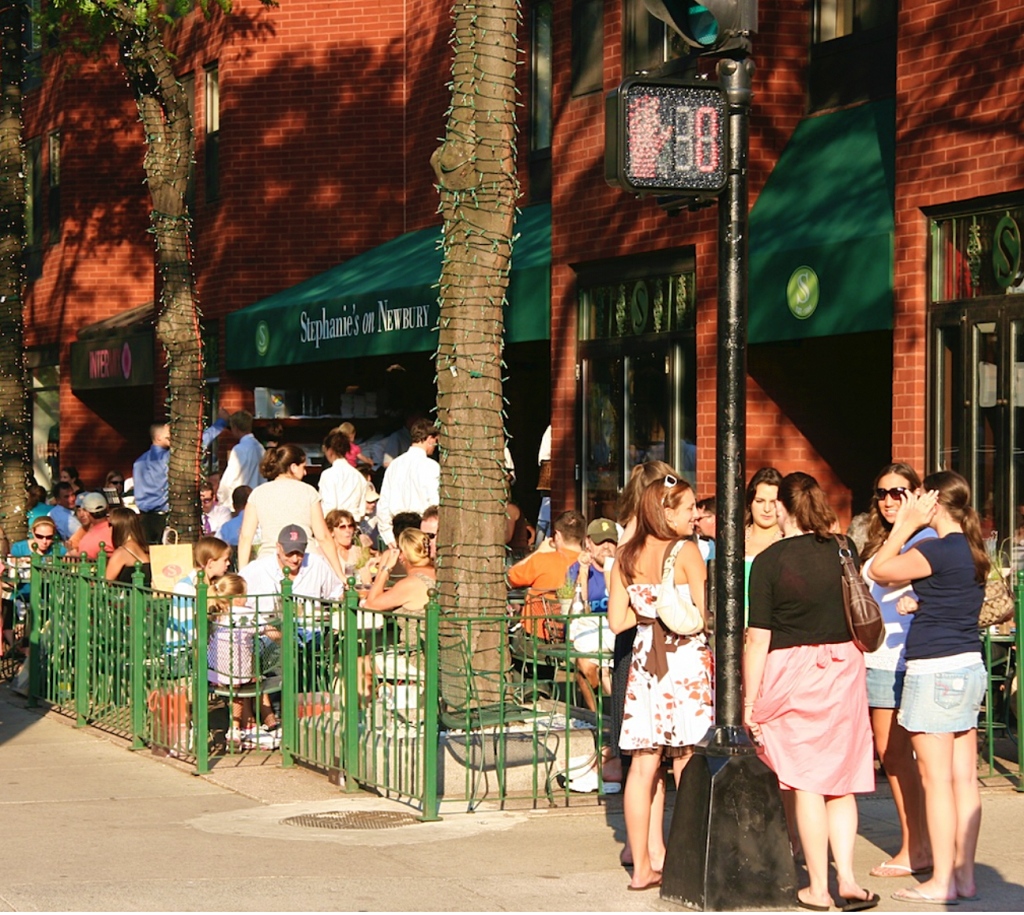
421	707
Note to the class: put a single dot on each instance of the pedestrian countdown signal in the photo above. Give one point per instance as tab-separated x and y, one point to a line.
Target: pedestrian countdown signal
668	137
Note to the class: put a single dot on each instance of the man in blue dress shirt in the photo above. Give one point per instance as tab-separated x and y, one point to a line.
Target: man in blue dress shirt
150	476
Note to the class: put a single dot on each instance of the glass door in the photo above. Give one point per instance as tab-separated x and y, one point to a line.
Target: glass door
988	414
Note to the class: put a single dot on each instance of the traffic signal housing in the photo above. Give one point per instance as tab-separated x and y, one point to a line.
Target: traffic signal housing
709	26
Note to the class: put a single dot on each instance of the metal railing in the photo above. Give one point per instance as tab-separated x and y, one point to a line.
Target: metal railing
419	706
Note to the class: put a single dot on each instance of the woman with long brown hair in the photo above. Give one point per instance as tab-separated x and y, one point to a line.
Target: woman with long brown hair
129	547
285	499
669	697
886	669
946	676
804	689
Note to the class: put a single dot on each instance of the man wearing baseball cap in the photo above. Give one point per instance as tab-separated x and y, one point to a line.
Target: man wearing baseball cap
310	573
99	533
590	634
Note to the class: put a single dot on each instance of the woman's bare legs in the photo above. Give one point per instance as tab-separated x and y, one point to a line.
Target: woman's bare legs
968	809
894	750
935	759
812	823
644	809
842	833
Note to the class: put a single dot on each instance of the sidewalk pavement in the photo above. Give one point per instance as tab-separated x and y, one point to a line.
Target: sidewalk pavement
92	826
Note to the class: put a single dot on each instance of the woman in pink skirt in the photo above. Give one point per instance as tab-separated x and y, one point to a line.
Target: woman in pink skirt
804	689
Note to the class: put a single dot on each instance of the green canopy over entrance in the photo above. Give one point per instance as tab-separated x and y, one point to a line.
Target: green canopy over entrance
384	302
821	232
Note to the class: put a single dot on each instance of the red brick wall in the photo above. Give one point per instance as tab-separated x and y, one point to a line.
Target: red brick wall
329	113
960	92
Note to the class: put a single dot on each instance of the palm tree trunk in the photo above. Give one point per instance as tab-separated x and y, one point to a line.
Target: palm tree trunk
163	107
15	420
475	169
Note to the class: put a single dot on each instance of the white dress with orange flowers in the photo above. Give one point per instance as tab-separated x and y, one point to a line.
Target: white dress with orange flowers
670	694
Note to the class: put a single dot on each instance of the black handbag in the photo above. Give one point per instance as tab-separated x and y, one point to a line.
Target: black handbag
863	617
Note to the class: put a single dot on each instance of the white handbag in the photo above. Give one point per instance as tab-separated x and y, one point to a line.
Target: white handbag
679	614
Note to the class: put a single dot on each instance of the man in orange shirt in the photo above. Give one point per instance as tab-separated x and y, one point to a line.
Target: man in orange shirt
543	572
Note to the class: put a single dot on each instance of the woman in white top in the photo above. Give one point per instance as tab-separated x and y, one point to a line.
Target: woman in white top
886	670
285	499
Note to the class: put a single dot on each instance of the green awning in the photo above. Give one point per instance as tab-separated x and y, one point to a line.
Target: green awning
384	302
821	232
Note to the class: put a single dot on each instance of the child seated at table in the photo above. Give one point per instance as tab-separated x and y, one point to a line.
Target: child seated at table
233	658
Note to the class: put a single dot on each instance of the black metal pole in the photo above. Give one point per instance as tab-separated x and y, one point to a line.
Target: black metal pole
731	414
728	848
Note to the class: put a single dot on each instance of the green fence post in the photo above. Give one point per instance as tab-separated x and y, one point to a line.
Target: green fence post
200	679
34	629
83	637
430	713
350	647
137	654
289	674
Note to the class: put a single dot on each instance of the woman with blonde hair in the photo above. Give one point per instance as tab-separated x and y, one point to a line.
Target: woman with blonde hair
285	499
946	676
410	594
669	697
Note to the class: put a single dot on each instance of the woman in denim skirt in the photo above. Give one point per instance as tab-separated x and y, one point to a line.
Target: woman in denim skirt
945	678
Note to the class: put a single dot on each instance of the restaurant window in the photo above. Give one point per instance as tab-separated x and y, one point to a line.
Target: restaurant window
53	192
587	46
977	254
853	52
637	379
45	377
212	133
34	207
540	102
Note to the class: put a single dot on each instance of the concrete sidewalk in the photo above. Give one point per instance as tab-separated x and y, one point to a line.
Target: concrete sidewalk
93	826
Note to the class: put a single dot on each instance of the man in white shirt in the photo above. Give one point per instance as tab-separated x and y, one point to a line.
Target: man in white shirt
412	481
341	485
310	574
244	461
215	515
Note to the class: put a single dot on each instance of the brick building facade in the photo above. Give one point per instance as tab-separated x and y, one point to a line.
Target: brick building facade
871	120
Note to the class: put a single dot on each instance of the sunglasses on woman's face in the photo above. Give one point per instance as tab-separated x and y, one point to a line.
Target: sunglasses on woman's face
896	493
346	527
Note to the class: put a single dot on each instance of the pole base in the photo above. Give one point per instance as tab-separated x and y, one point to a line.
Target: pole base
728	848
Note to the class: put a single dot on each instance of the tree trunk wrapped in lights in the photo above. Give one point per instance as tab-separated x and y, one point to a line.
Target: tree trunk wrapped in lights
476	171
15	425
163	108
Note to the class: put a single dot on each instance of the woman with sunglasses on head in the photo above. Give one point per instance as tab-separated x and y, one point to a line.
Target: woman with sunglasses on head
669	696
945	678
886	669
804	690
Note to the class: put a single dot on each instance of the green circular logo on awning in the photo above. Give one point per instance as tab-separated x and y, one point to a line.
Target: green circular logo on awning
802	292
262	338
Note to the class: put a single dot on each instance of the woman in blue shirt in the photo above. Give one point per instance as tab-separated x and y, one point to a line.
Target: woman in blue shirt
945	677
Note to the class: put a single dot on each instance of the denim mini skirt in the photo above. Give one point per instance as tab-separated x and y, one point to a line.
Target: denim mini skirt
943	702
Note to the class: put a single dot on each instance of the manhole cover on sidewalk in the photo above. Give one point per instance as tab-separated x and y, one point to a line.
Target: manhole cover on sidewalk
362	819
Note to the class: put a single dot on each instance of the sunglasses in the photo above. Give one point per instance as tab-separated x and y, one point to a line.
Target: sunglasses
345	527
430	536
669	482
896	493
43	536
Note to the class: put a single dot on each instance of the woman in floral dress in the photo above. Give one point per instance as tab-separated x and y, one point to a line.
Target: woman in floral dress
669	697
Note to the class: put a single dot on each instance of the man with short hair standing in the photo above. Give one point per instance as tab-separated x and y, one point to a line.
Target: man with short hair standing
412	481
215	515
244	460
150	476
341	485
